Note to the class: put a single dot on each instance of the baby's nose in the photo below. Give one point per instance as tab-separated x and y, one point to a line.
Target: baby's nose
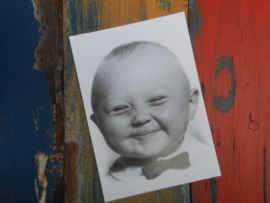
140	118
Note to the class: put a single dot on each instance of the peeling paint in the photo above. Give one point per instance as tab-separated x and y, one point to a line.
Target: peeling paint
159	198
206	183
264	176
41	160
36	123
195	21
49	52
213	190
213	131
36	117
166	4
36	190
233	143
143	11
203	90
49	60
194	200
221	103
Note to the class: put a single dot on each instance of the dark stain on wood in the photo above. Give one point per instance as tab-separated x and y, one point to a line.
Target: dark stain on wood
224	104
264	176
213	190
218	144
206	184
71	171
233	143
213	131
59	195
203	90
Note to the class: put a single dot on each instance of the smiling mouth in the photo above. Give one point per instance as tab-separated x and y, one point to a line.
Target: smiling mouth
144	136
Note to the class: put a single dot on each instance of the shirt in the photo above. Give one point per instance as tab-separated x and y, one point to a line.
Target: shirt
125	170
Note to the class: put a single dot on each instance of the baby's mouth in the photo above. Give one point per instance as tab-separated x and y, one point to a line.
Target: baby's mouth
144	135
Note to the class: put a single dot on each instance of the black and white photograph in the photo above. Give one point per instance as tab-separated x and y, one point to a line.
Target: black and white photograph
144	106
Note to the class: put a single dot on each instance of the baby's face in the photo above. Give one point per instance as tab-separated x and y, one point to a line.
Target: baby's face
144	106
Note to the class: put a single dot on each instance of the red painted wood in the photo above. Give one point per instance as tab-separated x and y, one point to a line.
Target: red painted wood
236	33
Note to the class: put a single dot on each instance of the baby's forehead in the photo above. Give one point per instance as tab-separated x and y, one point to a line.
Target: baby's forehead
151	60
147	52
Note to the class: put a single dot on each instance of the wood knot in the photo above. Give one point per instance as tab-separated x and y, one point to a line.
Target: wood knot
254	125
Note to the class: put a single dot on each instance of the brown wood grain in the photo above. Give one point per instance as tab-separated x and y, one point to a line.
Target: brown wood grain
83	16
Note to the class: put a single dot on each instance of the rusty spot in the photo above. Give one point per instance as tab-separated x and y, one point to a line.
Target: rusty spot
49	55
254	125
57	156
49	59
71	171
41	181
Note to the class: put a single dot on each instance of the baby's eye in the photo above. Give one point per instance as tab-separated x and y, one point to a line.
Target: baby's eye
120	109
155	101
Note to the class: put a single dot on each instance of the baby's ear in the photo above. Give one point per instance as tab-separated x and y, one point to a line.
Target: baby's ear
193	102
93	118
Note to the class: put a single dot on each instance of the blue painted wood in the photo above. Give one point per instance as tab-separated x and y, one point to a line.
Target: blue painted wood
27	126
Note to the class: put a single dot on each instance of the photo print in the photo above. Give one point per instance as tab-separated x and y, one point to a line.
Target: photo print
144	106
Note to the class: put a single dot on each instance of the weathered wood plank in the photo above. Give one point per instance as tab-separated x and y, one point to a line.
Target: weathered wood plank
231	41
82	181
31	102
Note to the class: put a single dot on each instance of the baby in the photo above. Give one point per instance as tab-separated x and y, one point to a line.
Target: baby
142	103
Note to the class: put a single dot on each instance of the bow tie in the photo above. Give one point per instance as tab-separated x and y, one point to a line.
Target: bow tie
153	170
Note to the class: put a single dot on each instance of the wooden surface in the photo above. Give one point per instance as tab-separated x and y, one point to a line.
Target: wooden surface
231	41
31	102
82	181
232	52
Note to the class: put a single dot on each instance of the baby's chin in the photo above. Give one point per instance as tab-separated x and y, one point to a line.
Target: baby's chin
145	152
154	144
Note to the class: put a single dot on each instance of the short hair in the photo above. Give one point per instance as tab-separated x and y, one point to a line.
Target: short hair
124	51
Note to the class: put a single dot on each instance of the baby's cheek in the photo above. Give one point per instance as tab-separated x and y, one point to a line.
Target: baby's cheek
119	127
161	111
